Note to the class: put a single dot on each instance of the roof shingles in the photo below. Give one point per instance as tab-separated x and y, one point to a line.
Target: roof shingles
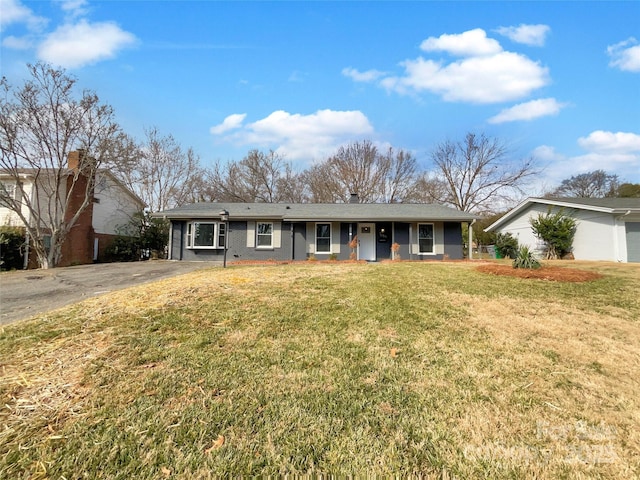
321	211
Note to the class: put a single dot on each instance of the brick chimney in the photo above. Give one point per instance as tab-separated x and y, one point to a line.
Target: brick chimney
78	246
354	198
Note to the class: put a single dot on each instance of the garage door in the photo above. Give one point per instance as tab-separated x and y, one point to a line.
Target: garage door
633	241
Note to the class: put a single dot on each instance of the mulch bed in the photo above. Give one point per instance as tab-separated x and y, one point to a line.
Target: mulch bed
556	274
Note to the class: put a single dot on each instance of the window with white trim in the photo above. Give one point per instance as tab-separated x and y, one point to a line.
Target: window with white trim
7	192
425	238
264	235
323	238
206	235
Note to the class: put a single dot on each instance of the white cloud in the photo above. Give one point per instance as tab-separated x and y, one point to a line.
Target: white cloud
74	7
230	123
625	55
609	142
297	76
301	137
357	76
14	12
529	111
534	35
472	43
17	43
616	153
506	76
84	43
485	73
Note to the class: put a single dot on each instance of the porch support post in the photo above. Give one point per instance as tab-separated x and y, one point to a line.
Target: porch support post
470	248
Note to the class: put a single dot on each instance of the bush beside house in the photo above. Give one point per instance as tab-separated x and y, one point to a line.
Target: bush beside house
12	245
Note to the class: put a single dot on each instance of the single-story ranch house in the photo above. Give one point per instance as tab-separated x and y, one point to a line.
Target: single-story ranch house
607	228
295	231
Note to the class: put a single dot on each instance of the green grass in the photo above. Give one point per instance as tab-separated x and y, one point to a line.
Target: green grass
404	368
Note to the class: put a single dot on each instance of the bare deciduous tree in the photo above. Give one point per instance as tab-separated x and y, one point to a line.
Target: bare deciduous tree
427	188
478	174
595	184
40	124
160	172
258	177
360	168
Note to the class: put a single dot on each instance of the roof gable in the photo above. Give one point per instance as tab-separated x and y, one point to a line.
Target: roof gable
606	205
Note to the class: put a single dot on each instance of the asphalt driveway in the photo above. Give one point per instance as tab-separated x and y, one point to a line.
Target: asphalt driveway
26	293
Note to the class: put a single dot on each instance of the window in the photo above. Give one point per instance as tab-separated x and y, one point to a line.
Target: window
206	235
425	237
323	238
7	191
264	235
222	234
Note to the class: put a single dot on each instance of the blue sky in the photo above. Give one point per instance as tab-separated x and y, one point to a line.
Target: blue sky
559	81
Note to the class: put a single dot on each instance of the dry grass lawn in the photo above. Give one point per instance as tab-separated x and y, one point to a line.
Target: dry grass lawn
431	369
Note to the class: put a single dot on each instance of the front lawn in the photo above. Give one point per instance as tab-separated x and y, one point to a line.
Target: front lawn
396	368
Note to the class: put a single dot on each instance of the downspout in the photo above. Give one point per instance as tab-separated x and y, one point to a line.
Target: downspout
470	248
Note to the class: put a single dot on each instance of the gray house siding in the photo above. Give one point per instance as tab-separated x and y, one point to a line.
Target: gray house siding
345	238
383	240
299	241
294	242
453	240
401	237
236	242
176	241
293	236
238	249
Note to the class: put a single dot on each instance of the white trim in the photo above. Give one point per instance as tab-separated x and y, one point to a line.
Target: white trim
271	245
433	240
553	202
315	238
190	236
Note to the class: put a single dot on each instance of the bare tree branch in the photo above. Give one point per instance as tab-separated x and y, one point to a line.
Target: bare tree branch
478	174
40	124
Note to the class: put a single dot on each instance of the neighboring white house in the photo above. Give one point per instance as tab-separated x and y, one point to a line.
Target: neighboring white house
607	228
113	207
